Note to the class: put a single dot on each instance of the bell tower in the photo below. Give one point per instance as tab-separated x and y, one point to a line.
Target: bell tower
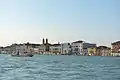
47	45
46	41
43	41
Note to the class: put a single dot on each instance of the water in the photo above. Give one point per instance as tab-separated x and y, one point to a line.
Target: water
43	67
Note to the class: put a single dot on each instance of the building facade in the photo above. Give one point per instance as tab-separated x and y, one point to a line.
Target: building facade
28	47
1	49
80	47
91	52
115	48
103	51
55	48
77	47
66	48
45	46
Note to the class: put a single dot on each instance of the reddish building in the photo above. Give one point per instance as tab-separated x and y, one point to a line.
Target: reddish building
103	51
116	47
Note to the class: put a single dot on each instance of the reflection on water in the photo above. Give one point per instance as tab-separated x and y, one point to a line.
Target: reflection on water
41	67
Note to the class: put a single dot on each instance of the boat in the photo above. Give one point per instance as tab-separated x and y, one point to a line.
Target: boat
25	54
117	56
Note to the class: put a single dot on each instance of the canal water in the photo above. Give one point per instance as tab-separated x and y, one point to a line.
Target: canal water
53	67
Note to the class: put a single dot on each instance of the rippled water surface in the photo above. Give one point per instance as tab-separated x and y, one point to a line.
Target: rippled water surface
43	67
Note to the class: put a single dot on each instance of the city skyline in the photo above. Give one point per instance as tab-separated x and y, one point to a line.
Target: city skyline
95	21
44	42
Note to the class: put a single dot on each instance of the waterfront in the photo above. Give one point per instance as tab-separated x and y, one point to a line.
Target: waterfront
58	67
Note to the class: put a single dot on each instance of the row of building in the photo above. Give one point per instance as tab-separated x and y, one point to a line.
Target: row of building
73	48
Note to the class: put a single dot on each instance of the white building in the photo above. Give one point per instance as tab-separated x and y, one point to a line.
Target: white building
65	48
55	48
77	47
80	47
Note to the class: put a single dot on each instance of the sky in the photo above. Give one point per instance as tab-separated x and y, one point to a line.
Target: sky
95	21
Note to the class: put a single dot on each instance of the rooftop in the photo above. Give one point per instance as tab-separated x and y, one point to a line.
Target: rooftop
46	44
117	42
31	44
103	47
55	44
80	41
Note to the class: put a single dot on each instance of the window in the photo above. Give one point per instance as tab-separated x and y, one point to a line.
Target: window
76	49
56	49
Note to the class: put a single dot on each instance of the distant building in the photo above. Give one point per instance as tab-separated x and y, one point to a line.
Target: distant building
27	47
1	49
20	48
80	47
10	49
89	46
115	48
92	51
66	48
55	48
45	46
85	51
103	51
7	49
42	48
77	47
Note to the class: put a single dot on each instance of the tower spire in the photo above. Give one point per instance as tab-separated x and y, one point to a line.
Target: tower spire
46	41
43	41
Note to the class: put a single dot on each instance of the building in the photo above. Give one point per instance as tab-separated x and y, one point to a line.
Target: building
1	49
91	51
55	48
80	47
20	48
17	48
27	47
77	47
89	48
88	45
45	46
13	47
66	48
10	49
42	48
34	48
103	51
7	50
115	48
85	51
